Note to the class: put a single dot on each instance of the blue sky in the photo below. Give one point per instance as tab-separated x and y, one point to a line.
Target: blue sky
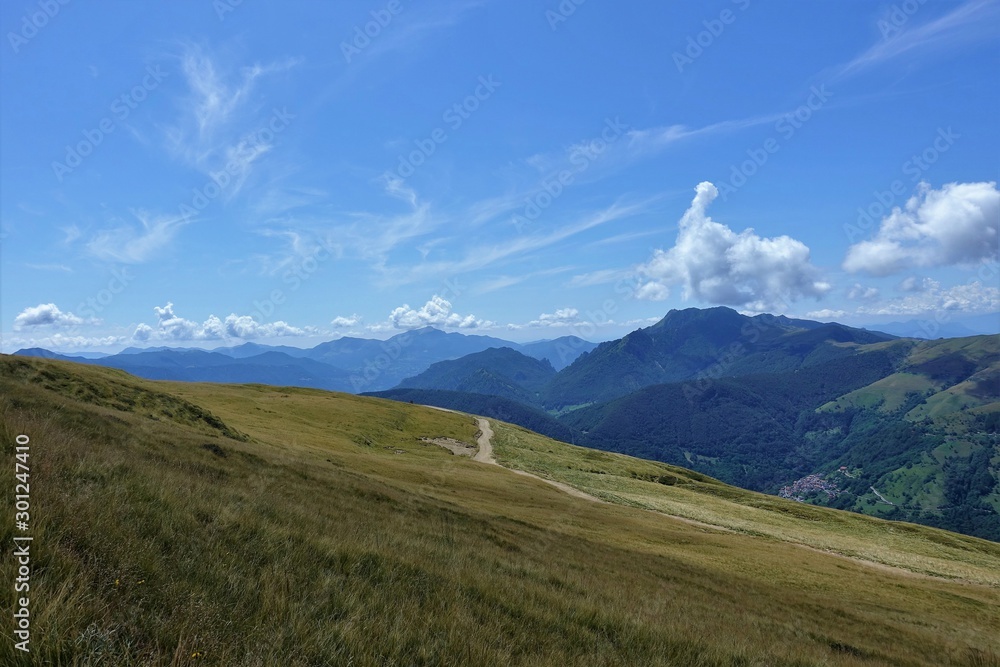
204	173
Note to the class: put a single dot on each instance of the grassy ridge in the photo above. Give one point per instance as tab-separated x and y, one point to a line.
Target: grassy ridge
682	493
299	527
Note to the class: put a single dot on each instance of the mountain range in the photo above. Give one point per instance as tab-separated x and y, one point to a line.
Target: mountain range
823	413
346	364
819	412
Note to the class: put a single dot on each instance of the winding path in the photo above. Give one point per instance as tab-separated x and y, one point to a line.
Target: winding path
485	442
485	455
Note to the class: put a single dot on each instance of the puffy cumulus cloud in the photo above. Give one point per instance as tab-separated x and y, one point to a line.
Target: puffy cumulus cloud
973	297
342	322
863	293
956	225
561	317
652	291
436	312
172	327
45	315
246	327
715	264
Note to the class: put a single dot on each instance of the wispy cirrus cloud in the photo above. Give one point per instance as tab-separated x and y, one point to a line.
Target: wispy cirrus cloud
969	22
504	281
216	96
482	255
136	243
600	277
222	123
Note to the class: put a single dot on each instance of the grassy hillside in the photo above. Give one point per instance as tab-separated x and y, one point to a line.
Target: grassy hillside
492	406
183	524
923	442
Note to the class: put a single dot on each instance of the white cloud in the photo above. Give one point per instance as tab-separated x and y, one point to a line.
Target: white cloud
859	291
956	225
715	264
562	317
971	297
436	312
962	26
652	291
45	314
479	257
64	342
916	284
216	95
218	126
171	327
135	244
342	322
825	314
599	277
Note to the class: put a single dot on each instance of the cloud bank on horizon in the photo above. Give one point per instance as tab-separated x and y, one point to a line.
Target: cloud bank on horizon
265	174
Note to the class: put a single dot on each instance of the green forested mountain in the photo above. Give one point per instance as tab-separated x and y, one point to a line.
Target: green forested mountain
901	429
822	413
497	371
693	343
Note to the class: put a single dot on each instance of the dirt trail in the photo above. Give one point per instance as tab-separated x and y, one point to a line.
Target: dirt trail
485	455
485	442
